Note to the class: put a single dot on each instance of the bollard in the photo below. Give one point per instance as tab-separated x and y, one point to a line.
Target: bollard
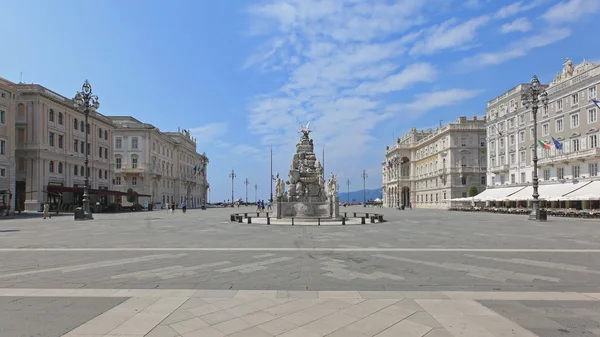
257	214
232	217
362	220
367	215
372	219
344	221
249	219
267	214
268	221
245	215
355	215
240	218
292	221
319	221
345	214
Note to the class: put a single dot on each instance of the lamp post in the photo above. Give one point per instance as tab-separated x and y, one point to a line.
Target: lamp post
532	96
232	176
396	162
246	182
348	183
89	102
364	175
255	193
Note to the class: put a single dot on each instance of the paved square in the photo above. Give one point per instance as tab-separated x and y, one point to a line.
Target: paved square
421	273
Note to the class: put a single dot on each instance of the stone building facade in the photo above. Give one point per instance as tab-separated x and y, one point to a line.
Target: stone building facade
8	97
47	135
164	165
571	117
427	168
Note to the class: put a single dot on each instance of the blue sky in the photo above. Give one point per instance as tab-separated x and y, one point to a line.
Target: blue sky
242	74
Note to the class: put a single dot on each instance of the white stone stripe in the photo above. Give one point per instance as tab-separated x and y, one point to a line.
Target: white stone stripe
476	271
203	293
469	318
535	263
87	266
250	267
143	322
324	249
169	272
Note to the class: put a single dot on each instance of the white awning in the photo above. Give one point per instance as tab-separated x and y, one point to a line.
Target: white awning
547	192
589	191
497	194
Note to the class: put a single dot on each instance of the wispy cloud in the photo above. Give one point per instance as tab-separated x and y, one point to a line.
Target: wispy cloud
432	100
208	133
515	50
517	8
449	35
572	11
419	72
518	25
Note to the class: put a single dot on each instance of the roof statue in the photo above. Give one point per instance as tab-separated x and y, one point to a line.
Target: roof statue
305	130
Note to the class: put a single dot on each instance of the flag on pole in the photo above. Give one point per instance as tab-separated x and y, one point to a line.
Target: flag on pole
195	168
596	102
201	171
557	144
546	146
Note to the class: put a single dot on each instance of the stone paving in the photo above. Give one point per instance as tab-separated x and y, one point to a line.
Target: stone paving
421	273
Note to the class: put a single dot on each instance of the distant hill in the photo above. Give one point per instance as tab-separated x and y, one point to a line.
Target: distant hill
358	195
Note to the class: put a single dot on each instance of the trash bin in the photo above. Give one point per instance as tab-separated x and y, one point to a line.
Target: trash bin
79	214
543	215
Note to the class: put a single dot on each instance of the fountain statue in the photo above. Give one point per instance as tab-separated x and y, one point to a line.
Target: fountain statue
308	195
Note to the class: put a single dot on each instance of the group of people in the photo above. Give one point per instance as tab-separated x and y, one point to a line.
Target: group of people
171	207
260	206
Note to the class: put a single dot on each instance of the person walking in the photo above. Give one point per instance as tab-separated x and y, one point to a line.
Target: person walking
167	208
258	206
183	206
46	210
262	205
269	206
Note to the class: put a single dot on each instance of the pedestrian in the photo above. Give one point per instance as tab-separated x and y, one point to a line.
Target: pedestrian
167	207
262	205
183	206
269	206
173	207
46	210
258	206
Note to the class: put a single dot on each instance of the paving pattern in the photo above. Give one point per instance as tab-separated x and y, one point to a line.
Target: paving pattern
421	273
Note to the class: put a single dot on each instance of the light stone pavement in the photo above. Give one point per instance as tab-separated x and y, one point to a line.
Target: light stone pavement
421	273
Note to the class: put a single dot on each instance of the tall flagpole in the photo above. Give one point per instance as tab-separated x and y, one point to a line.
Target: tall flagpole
323	162
271	173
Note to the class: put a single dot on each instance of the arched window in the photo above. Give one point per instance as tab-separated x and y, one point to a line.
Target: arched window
81	171
463	161
105	135
118	162
75	170
51	115
444	163
482	161
100	133
100	173
105	174
60	167
134	161
75	124
81	126
60	118
51	166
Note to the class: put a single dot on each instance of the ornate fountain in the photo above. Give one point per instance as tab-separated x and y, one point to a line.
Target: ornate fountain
307	194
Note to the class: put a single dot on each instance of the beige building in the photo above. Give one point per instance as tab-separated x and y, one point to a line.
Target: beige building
47	135
8	96
426	168
164	165
571	117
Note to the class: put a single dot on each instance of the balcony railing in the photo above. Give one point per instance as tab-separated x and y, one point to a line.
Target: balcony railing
568	157
130	170
500	168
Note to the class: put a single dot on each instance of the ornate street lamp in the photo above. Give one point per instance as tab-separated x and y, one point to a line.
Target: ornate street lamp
396	162
255	193
246	182
348	183
533	96
89	102
232	176
364	175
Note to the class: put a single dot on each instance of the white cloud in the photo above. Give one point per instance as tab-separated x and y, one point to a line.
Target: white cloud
517	49
518	25
428	101
208	133
419	72
449	35
517	7
572	11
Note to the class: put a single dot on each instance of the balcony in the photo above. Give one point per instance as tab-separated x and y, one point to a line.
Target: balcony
500	168
130	170
570	157
465	169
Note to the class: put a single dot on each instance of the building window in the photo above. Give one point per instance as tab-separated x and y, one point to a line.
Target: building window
546	173
118	143
81	145
560	173
521	119
463	161
545	129
482	180
134	143
512	139
574	121
512	158
60	141
99	173
502	161
106	153
51	139
501	141
559	125
134	162
511	105
105	135
593	141
521	136
575	170
51	115
81	127
575	145
100	133
531	133
522	157
81	171
2	146
559	105
593	169
60	118
75	143
575	99
592	92
2	172
502	179
51	166
523	177
75	124
133	180
592	116
511	123
118	162
88	172
100	151
88	149
60	167
154	146
74	170
2	117
118	180
463	180
105	174
512	178
545	111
